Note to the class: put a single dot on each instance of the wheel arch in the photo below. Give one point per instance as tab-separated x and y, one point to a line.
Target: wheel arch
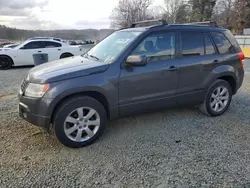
3	55
94	94
224	72
66	53
231	80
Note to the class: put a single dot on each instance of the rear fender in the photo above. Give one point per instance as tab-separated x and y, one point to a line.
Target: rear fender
220	71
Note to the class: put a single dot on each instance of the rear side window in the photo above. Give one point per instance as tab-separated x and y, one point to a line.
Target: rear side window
49	44
192	43
222	43
209	47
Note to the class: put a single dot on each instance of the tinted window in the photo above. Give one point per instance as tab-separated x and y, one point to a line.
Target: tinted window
34	45
52	44
192	43
208	45
222	43
157	46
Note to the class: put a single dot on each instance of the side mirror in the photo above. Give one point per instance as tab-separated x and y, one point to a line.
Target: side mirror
22	48
136	60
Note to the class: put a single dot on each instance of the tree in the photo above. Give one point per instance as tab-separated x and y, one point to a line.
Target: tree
202	9
242	9
129	11
171	8
183	14
224	13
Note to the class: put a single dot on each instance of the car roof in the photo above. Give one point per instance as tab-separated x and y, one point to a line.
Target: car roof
45	39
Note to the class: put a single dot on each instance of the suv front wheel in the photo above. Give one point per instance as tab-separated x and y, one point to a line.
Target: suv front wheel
218	98
79	121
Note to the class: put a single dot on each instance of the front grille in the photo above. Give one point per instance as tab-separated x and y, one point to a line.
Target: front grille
24	84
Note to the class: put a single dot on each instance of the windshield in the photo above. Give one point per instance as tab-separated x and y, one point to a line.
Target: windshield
18	46
111	47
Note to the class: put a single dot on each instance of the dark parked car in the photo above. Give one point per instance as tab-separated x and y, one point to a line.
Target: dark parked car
134	70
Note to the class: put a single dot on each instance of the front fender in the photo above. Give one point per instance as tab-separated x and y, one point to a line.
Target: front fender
12	54
63	89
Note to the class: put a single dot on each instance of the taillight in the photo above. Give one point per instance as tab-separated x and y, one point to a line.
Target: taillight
241	57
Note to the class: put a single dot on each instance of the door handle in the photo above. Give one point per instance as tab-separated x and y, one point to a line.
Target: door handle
39	51
59	49
173	68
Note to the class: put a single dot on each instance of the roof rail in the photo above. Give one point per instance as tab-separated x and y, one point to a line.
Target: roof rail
161	21
206	23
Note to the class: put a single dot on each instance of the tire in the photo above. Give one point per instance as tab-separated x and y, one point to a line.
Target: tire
213	98
66	55
5	63
79	131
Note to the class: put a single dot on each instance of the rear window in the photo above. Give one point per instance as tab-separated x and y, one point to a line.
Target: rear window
192	43
222	43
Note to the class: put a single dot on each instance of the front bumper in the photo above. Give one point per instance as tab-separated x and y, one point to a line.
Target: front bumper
35	110
25	113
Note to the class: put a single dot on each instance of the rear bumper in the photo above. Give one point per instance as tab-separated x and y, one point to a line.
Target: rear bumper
240	79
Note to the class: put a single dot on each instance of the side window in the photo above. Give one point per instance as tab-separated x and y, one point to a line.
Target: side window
192	43
157	46
208	45
34	45
49	44
222	43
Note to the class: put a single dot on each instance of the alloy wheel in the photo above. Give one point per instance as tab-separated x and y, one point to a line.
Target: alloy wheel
219	99
81	124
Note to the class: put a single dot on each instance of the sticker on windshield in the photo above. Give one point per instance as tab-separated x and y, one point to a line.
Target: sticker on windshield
122	41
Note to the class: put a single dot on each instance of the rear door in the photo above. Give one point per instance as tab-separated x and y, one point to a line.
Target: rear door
53	49
198	54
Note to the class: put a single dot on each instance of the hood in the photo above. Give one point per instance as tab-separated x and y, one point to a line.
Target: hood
5	49
65	69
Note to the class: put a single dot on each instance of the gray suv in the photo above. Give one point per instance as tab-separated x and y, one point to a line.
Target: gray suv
134	70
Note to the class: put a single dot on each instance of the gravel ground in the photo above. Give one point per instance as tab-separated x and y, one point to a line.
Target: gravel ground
174	148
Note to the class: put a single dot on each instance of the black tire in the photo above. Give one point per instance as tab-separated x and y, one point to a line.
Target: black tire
206	107
66	55
70	105
5	63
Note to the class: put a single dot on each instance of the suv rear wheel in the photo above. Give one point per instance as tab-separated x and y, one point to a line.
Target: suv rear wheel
218	98
79	122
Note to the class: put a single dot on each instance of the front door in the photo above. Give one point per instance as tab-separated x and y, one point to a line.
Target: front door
153	86
25	53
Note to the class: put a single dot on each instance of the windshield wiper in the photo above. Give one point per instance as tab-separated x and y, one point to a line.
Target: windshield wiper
94	57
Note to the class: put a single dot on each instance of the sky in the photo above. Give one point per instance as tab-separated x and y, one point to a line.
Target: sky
57	14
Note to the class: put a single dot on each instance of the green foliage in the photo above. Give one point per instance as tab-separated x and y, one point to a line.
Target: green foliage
201	9
182	14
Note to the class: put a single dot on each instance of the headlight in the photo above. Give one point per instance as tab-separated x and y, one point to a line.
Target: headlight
36	90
